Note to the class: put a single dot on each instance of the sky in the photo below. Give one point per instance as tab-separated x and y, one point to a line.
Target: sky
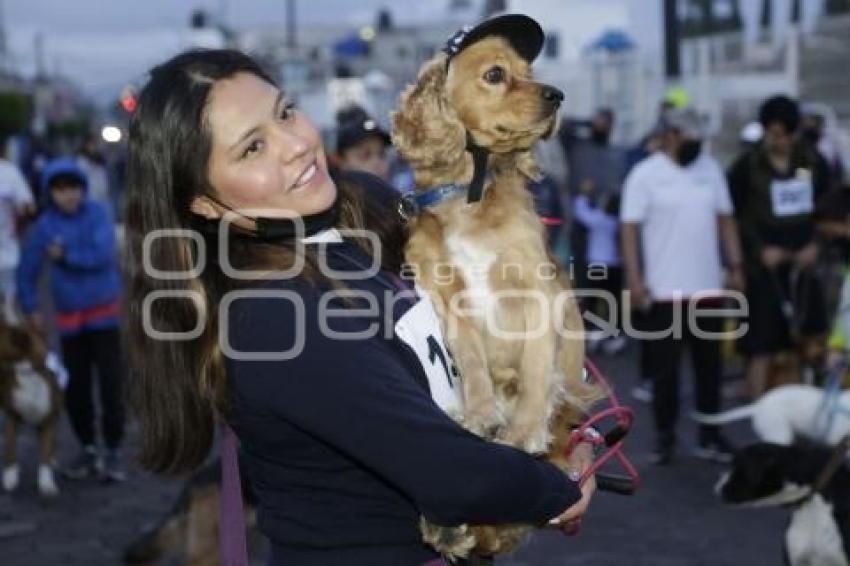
103	44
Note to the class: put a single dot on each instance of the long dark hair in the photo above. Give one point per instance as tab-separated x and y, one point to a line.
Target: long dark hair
178	385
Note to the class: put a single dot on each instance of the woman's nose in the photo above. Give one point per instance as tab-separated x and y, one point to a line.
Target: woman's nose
293	144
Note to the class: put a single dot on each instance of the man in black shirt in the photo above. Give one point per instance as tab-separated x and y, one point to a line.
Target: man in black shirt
774	188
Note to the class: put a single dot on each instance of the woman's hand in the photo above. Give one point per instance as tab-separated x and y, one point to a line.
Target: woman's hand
579	462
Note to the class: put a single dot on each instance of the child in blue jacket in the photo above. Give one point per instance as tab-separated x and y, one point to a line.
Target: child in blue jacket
76	240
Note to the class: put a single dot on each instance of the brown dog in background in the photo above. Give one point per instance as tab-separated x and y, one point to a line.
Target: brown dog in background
522	385
29	394
189	531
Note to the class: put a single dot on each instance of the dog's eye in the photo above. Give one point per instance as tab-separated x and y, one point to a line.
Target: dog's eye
494	75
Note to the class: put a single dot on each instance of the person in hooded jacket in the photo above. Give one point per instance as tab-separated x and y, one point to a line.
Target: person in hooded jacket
75	239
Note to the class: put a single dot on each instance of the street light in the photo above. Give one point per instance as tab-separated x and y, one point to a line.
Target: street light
111	134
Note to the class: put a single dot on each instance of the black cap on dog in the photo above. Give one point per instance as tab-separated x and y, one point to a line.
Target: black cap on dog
523	33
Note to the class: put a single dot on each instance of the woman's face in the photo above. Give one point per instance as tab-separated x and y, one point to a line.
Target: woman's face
267	158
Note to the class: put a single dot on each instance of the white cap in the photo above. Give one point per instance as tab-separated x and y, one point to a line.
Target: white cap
685	120
752	132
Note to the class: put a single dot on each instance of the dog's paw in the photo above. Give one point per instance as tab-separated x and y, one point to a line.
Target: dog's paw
11	477
485	419
532	439
452	542
46	482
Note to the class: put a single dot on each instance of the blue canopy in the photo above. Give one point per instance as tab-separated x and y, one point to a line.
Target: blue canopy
351	46
612	40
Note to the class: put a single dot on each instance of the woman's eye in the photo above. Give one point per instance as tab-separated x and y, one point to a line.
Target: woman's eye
252	148
494	75
287	111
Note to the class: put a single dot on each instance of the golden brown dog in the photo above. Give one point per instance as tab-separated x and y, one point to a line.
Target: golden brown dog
29	394
511	323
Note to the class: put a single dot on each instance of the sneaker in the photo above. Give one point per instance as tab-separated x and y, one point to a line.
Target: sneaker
113	471
87	464
643	391
614	345
662	455
716	449
593	340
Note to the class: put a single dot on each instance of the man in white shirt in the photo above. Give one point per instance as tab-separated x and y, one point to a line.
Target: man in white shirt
676	204
16	200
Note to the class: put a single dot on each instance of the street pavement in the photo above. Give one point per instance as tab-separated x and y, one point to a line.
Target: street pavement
674	520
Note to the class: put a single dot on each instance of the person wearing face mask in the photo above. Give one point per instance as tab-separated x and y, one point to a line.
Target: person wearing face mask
675	208
776	188
256	304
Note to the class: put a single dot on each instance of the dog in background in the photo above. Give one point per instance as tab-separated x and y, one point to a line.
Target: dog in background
189	531
29	394
790	412
523	385
770	475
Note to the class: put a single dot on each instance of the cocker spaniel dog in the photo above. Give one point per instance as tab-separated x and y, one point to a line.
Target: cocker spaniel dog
510	321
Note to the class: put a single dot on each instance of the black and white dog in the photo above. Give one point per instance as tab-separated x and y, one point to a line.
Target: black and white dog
768	475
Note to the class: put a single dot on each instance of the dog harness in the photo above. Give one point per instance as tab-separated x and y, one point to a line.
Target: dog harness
31	394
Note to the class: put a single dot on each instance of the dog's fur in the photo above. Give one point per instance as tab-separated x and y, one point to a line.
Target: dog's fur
29	394
189	530
788	412
524	389
766	475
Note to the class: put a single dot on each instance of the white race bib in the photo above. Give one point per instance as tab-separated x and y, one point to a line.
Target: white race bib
792	196
420	329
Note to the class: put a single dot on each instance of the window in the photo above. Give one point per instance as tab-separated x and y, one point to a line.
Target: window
551	46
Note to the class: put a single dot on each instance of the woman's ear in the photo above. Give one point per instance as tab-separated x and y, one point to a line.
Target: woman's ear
426	130
202	206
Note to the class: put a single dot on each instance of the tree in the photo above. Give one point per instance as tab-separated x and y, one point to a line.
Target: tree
15	113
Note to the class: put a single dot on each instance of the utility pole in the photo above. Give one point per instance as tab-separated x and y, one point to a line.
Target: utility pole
4	55
673	66
38	47
291	40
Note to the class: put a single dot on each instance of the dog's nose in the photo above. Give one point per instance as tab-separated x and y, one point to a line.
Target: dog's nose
553	95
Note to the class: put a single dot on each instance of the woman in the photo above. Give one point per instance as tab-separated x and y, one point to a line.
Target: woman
342	442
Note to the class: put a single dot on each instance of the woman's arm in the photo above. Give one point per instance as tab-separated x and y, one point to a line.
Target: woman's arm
358	396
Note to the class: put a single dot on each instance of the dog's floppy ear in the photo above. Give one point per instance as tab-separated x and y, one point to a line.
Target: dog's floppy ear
426	130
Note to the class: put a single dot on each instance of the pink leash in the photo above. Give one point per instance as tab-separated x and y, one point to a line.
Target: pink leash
613	439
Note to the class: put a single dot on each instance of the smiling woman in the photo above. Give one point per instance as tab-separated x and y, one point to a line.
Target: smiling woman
266	156
349	442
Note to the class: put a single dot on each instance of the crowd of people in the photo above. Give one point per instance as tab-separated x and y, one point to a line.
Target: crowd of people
679	236
659	235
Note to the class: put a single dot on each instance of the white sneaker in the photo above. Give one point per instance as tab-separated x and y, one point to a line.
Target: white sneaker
614	345
593	340
11	477
643	392
46	482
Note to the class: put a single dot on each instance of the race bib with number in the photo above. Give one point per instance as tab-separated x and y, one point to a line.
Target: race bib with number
419	328
792	197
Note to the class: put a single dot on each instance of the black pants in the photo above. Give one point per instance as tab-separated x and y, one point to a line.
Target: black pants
81	354
612	284
664	357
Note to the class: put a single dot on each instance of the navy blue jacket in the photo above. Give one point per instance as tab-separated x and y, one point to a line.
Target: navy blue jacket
344	444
